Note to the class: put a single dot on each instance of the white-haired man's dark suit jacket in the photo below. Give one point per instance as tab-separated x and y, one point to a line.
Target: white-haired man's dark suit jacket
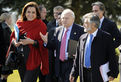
55	43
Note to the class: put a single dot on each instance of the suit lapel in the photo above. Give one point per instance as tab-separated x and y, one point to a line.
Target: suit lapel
84	39
60	34
54	22
103	24
73	32
99	34
83	43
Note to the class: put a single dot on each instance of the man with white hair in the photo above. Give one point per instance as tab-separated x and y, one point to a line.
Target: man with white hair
59	42
95	49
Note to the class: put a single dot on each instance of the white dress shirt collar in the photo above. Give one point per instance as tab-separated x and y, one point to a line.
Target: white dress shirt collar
94	33
101	20
57	23
68	28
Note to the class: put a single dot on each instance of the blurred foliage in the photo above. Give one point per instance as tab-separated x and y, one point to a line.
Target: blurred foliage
80	7
117	53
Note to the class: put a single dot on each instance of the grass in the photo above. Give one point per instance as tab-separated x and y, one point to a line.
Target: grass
15	77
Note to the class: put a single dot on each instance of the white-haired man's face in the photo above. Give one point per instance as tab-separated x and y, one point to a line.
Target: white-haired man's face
67	19
87	25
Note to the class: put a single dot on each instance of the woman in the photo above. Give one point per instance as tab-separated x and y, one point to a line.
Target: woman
5	42
34	55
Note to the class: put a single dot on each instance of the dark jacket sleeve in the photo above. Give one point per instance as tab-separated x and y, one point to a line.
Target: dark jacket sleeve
115	33
2	46
51	44
75	68
113	63
36	44
51	25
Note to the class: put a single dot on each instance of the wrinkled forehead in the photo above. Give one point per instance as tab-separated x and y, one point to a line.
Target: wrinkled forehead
66	14
96	7
86	20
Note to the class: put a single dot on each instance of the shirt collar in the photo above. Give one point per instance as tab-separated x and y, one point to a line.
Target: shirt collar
69	27
94	33
4	25
56	22
101	20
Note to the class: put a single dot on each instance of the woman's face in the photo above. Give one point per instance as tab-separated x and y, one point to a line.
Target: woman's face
30	13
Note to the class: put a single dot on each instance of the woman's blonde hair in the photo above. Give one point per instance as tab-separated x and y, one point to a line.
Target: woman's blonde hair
4	16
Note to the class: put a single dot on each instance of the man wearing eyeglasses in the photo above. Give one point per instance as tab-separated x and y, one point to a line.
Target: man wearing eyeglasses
106	24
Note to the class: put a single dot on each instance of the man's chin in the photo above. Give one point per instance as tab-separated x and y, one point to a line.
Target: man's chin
87	30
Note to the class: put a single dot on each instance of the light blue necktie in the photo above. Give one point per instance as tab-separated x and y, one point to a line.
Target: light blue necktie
100	25
88	52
